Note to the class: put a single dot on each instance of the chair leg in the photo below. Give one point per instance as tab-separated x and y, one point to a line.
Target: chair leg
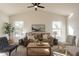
16	49
10	53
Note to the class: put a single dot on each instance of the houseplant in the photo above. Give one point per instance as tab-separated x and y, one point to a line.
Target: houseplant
8	29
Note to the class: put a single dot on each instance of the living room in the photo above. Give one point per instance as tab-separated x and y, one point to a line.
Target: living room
59	21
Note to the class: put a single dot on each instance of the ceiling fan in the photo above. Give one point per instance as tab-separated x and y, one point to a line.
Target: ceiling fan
36	5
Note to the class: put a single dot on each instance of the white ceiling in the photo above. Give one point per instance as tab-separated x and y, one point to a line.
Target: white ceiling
59	8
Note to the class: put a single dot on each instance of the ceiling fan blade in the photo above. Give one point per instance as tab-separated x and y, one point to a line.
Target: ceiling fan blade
35	9
34	4
41	7
38	3
30	6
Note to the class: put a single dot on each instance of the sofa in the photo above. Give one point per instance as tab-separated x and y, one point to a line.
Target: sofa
34	36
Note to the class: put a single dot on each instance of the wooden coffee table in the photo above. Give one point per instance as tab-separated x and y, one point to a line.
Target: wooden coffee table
39	50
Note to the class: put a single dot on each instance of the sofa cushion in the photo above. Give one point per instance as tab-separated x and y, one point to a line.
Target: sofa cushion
4	42
30	36
45	36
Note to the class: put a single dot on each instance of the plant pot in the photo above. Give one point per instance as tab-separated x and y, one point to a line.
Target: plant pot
10	39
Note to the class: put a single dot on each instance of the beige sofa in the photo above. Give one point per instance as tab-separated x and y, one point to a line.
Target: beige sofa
32	37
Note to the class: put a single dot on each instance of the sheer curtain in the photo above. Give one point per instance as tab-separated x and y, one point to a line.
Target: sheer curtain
57	29
19	30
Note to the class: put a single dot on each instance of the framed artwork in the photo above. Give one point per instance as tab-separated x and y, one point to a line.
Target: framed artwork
38	27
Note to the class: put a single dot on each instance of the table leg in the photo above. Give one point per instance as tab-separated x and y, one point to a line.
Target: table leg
27	51
50	50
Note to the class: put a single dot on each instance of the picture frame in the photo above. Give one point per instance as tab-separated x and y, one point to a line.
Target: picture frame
38	27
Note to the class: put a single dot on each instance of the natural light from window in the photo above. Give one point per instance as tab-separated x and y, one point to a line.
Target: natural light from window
19	29
57	29
70	30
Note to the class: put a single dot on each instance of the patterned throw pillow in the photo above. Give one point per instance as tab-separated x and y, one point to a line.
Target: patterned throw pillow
30	37
45	36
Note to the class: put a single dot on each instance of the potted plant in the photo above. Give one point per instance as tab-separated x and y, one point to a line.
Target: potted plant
8	29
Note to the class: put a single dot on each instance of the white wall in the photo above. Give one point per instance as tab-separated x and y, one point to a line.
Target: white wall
40	17
73	21
3	18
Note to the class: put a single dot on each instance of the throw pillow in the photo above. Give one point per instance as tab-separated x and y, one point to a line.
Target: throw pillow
30	36
45	36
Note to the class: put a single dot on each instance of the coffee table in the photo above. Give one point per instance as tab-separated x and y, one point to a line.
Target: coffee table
34	49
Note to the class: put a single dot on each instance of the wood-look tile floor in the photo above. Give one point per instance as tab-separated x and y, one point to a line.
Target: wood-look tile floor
22	51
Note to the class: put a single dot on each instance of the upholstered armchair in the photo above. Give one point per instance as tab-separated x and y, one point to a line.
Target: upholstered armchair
69	45
5	47
74	50
71	40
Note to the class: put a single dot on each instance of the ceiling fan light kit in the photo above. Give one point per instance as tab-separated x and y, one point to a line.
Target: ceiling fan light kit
36	5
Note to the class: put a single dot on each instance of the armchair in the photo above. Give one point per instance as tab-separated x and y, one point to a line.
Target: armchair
71	40
5	47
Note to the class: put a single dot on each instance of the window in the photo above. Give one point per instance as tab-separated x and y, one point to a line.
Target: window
70	30
57	28
19	29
